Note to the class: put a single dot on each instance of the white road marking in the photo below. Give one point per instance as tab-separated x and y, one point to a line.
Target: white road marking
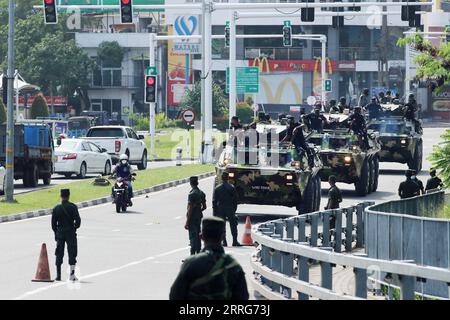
116	230
149	224
59	284
177	218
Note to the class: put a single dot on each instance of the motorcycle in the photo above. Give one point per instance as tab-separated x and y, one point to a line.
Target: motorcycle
121	197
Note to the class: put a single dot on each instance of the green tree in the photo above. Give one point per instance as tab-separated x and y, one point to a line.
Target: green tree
110	53
192	99
39	108
440	158
2	112
433	63
244	112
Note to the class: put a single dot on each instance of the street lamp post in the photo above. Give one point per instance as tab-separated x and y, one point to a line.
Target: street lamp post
10	111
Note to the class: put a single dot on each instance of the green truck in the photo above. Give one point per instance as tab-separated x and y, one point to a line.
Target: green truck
266	172
342	155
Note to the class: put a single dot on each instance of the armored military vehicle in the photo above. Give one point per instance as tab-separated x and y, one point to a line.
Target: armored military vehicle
266	172
401	139
343	156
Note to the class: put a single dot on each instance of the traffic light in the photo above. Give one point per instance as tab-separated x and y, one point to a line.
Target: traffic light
150	89
5	89
338	21
328	85
287	34
227	36
50	13
126	11
409	14
307	14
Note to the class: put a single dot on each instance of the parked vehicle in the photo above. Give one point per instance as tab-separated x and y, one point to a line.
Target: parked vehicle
80	157
33	152
119	140
2	180
79	126
58	127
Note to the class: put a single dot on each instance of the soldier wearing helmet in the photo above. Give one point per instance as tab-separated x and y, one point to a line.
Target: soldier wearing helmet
364	98
315	120
123	170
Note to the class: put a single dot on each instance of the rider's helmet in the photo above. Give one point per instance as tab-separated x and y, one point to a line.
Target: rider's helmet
123	159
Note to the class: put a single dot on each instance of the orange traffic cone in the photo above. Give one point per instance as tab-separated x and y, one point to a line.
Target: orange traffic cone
43	270
247	237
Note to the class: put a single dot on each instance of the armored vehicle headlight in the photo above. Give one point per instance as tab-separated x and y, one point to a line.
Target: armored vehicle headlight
231	175
289	177
403	141
348	159
295	164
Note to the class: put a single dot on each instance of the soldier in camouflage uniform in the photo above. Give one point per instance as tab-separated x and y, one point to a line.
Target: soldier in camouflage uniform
196	206
211	274
334	194
408	188
225	201
65	222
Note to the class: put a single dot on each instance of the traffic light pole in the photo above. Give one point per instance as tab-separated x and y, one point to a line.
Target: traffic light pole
10	109
232	67
152	105
207	84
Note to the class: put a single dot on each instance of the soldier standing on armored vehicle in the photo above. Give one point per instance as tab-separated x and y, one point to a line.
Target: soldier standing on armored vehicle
409	112
357	124
364	98
316	121
374	109
342	105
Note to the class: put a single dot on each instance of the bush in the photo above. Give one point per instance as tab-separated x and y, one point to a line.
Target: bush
142	123
244	112
2	112
222	123
163	122
440	158
39	108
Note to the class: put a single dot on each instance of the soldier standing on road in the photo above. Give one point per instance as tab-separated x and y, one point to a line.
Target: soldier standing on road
416	180
408	188
196	206
334	194
212	274
434	182
225	202
65	222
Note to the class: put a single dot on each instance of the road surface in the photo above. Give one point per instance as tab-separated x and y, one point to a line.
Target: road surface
138	254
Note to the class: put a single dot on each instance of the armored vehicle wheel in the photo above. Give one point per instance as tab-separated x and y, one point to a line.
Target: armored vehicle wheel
371	175
307	202
416	162
376	163
362	185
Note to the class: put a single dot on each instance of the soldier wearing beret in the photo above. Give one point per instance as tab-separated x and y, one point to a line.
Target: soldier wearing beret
434	182
211	274
65	222
196	206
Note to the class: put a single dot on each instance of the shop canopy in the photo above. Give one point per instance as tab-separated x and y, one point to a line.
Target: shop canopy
21	84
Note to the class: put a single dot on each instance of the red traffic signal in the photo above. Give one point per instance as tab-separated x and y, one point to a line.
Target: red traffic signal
150	81
126	11
50	13
125	1
150	89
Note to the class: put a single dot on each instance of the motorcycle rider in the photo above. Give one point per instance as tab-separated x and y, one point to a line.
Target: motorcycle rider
123	170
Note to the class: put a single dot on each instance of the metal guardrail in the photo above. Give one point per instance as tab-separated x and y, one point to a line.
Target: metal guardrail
288	248
405	230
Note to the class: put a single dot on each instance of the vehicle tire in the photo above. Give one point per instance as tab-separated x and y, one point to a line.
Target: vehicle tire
26	179
33	175
47	179
143	164
362	185
307	204
107	171
83	170
124	208
376	163
118	206
4	187
416	162
67	175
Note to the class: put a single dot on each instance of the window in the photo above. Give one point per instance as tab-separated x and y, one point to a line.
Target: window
94	147
85	147
106	133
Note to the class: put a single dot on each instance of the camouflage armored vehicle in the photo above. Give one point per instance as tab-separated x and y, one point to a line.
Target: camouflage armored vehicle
342	155
400	140
266	172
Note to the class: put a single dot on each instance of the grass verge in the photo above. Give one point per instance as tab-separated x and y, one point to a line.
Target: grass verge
190	141
84	190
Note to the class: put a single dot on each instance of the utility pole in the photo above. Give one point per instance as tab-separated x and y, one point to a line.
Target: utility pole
152	105
10	111
203	87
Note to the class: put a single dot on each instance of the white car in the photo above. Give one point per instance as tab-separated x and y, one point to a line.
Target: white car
80	157
2	179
